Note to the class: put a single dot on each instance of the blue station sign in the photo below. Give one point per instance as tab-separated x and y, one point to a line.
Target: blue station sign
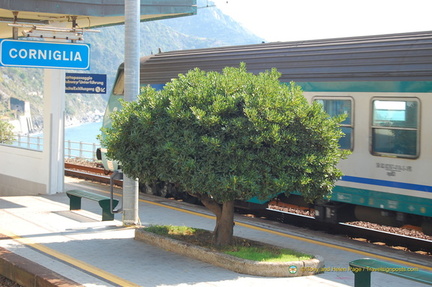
35	54
85	83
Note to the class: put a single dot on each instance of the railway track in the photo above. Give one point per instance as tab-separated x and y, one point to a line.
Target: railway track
97	174
91	173
374	236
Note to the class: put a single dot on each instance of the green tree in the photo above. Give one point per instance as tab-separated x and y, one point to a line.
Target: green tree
228	136
6	133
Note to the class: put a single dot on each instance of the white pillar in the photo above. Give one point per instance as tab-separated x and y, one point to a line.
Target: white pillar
131	91
54	106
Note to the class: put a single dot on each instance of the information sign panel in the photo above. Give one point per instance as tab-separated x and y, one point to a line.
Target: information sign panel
85	83
36	54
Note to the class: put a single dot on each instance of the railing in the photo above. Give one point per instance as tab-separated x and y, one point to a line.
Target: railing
29	142
72	149
81	150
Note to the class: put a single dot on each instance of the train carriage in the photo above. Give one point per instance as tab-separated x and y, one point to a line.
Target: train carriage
384	86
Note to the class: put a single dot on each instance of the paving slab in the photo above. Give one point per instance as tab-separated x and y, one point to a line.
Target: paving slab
79	246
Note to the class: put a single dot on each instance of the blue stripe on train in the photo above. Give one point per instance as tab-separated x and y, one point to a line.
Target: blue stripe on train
387	183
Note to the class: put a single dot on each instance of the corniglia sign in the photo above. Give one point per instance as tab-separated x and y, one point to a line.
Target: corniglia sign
34	54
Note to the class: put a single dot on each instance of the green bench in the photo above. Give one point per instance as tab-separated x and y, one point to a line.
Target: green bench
75	196
362	269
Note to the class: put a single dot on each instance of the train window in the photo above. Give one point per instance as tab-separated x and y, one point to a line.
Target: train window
119	85
335	107
395	127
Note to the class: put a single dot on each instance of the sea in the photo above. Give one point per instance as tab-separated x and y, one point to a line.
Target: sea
80	141
84	133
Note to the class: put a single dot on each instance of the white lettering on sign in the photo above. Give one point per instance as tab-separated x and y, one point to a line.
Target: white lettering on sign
33	54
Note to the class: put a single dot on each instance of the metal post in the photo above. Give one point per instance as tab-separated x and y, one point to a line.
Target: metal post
131	90
93	152
362	278
69	149
80	149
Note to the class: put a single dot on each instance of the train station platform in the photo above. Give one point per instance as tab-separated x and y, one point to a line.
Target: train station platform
83	249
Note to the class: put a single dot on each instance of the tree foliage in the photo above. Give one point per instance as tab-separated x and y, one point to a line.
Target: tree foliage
228	136
6	133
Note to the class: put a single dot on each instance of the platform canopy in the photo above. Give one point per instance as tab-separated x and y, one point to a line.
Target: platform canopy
88	13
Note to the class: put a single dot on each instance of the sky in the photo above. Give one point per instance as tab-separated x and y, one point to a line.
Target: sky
291	20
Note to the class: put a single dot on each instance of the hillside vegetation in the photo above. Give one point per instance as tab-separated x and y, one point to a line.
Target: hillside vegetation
209	28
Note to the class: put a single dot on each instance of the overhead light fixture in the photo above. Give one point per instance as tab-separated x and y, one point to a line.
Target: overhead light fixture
50	32
53	35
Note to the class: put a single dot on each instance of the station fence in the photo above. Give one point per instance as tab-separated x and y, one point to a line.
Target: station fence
72	149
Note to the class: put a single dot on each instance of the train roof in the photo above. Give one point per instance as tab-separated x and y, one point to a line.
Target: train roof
391	57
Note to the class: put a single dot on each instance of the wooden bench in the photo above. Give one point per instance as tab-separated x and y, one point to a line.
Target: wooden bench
75	196
362	269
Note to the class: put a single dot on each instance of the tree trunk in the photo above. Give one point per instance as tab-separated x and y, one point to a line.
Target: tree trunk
224	229
225	225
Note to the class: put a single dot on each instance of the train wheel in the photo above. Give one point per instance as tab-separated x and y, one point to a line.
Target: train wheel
163	192
427	226
375	215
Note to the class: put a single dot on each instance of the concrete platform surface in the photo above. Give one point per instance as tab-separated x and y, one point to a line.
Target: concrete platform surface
81	248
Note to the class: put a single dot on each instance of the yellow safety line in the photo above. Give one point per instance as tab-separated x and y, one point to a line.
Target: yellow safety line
296	237
179	209
68	259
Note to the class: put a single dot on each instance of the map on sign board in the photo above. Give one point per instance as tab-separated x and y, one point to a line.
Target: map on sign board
80	83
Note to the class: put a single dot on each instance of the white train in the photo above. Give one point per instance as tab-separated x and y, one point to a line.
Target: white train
384	85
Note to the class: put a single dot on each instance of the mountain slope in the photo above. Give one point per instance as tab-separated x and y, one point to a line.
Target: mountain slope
209	28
